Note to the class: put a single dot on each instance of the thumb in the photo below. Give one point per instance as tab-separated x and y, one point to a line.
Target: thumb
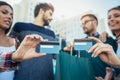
39	55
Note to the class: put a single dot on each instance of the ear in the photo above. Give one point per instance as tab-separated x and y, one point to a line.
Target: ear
95	22
41	11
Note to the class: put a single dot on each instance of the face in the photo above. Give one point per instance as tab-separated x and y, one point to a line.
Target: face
6	16
114	20
47	17
88	24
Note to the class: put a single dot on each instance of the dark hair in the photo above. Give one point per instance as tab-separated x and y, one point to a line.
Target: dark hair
44	6
5	3
90	15
114	8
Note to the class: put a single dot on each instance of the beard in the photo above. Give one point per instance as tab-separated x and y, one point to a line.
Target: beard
46	23
88	31
46	20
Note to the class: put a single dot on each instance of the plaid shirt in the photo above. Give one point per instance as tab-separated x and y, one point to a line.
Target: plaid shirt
6	62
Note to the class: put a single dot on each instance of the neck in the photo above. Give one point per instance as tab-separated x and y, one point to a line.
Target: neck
2	34
91	33
38	21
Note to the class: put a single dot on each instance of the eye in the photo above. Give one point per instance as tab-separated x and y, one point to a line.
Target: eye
109	17
117	15
4	12
11	15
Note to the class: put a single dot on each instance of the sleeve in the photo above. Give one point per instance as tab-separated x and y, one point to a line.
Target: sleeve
52	34
6	62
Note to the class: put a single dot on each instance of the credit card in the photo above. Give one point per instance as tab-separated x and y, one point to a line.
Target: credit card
49	47
82	44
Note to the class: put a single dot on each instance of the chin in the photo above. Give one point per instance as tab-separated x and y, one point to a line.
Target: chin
115	29
6	26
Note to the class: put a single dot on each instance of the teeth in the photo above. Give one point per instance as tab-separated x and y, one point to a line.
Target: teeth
7	22
112	23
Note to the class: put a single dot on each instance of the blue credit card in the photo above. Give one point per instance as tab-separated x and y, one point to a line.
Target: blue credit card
50	47
82	44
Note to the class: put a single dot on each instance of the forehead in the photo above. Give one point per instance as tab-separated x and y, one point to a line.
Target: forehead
49	10
5	7
86	18
114	12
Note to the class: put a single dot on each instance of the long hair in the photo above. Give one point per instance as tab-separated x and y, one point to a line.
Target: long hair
5	3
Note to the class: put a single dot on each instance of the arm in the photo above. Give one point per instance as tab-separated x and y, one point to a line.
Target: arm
25	51
6	62
105	52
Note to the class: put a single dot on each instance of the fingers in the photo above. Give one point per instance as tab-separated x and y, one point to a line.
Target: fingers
39	55
109	74
99	78
103	36
68	48
34	37
99	48
95	39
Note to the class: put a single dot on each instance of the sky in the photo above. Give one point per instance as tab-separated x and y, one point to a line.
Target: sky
70	8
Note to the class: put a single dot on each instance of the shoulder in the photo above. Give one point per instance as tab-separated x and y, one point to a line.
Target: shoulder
20	26
50	32
110	39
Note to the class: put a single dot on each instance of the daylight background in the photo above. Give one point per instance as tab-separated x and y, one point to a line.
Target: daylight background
67	14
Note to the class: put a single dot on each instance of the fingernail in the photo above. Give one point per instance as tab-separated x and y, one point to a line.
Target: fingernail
89	51
92	55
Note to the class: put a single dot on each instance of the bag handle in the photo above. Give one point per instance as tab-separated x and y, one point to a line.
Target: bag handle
71	51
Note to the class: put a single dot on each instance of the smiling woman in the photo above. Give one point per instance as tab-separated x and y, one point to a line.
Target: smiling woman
6	43
9	56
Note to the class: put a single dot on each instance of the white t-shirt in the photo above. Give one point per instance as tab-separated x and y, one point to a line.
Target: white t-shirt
7	75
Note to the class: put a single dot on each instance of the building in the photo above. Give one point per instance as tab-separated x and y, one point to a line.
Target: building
70	27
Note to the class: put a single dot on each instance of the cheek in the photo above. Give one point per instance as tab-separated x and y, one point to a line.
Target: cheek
119	25
45	17
1	20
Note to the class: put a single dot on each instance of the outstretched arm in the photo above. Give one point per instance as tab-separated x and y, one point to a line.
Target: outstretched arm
25	51
105	51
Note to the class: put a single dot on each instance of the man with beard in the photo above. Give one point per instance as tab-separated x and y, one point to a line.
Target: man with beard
89	25
38	68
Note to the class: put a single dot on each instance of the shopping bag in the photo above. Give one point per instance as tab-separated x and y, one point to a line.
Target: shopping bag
70	67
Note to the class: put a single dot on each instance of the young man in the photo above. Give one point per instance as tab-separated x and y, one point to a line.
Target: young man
89	25
39	68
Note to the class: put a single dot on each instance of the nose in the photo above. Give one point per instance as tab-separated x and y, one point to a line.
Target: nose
83	25
9	16
112	18
51	18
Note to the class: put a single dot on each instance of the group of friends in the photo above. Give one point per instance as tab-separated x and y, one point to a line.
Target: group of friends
19	59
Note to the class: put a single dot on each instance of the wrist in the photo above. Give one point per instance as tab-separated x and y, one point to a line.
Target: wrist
13	57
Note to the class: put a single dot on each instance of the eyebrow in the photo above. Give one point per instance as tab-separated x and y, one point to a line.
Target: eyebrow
7	11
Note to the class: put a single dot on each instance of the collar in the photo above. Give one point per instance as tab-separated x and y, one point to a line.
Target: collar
95	35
